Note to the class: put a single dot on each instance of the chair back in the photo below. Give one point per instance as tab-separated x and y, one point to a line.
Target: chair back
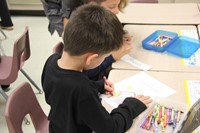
10	65
22	48
22	101
58	48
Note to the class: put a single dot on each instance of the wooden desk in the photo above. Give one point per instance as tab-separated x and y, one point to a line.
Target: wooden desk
175	80
168	13
158	61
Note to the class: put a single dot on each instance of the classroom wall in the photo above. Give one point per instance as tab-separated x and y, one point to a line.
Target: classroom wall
187	1
143	1
164	1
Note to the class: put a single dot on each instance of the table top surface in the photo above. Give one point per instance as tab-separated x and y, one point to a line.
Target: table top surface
158	61
174	80
198	27
168	13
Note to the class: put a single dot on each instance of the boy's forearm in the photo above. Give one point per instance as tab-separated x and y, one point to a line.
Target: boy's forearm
129	109
100	86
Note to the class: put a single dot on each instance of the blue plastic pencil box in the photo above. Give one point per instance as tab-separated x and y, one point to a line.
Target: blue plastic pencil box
161	41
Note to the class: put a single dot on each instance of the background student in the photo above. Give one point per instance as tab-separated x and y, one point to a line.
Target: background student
6	22
58	13
74	99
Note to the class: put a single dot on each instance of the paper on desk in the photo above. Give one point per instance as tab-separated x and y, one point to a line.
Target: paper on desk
192	88
189	33
192	91
136	63
194	60
141	83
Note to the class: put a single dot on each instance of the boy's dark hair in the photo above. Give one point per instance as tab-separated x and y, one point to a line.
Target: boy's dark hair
92	28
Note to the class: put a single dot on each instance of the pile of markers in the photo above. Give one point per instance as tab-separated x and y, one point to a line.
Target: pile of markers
161	116
160	41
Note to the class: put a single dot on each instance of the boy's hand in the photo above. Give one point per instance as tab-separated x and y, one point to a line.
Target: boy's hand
109	87
125	49
145	99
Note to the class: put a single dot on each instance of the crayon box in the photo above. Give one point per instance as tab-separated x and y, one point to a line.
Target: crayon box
165	41
163	116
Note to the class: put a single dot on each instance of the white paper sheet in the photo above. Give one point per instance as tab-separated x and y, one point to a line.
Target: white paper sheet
136	63
193	94
194	60
193	87
141	83
189	33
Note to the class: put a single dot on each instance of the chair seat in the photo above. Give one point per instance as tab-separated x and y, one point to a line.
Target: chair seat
44	127
21	102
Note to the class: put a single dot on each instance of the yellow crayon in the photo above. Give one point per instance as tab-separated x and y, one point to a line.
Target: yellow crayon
165	121
162	126
178	117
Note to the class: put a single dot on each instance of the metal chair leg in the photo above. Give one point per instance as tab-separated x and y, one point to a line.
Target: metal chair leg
32	82
3	33
3	93
27	122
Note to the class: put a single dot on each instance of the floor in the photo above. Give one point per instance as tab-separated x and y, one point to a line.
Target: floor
41	47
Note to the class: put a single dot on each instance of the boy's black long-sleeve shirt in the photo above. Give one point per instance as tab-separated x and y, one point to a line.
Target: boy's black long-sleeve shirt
75	104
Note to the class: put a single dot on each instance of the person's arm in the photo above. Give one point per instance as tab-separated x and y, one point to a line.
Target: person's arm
100	86
125	49
67	8
93	74
65	21
104	86
95	116
52	9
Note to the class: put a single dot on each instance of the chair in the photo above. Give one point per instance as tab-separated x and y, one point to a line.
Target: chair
58	48
10	65
22	101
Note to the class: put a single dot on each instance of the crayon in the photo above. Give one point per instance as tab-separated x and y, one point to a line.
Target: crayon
175	119
165	121
155	130
160	114
178	117
172	116
148	126
150	116
162	127
169	115
156	125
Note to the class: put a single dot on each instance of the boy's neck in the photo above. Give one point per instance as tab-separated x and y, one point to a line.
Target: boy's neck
71	62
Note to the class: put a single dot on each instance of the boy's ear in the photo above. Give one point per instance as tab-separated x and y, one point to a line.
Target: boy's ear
90	58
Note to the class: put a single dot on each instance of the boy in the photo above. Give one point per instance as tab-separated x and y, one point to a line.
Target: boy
91	34
58	13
